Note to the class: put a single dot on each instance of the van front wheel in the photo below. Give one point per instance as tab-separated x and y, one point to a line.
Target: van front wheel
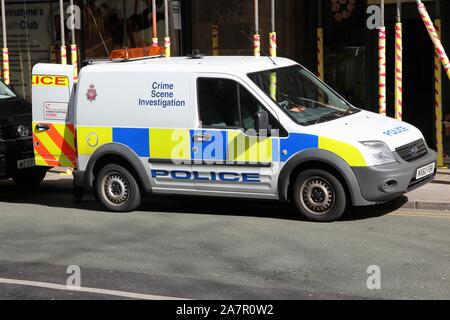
319	196
117	189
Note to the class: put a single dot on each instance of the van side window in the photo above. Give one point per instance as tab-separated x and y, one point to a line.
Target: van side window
218	103
224	103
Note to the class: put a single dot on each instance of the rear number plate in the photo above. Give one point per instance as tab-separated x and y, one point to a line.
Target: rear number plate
425	171
26	163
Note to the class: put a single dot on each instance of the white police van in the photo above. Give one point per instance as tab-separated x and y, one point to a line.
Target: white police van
242	127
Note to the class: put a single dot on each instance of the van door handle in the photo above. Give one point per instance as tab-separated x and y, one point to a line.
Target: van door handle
202	137
42	127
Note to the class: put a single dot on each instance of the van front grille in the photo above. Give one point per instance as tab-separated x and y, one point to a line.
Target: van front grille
413	151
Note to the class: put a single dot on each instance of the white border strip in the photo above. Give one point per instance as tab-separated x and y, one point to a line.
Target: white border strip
116	293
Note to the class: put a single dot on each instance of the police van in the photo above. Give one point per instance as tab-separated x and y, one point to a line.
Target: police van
237	127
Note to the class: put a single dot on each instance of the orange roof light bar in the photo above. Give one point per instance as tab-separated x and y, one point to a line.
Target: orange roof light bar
133	53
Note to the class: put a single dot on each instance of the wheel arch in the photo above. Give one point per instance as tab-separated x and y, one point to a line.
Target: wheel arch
117	154
320	159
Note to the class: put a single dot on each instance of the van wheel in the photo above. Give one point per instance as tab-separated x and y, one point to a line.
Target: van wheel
319	196
117	189
30	177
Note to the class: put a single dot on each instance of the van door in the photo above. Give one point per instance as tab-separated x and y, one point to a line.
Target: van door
228	154
53	113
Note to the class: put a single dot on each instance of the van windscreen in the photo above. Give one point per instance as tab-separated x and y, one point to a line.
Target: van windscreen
300	94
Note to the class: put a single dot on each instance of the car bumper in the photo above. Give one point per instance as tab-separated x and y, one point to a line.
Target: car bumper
387	182
11	152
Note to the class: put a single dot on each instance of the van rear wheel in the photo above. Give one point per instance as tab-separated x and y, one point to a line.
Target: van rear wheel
319	196
117	189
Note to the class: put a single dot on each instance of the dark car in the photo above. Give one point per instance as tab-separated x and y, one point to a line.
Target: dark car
16	140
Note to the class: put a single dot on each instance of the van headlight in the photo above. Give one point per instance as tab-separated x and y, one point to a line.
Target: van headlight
379	152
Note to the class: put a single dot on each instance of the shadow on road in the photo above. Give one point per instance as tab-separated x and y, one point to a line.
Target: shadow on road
57	193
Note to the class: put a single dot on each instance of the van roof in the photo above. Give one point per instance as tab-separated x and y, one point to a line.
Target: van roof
219	64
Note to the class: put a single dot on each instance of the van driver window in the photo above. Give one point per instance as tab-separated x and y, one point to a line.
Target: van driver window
224	103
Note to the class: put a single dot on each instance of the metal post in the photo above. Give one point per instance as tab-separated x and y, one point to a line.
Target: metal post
6	78
273	51
63	36
155	41
382	64
398	64
256	36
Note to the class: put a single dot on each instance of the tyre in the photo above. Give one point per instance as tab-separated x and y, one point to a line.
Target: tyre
30	177
117	189
319	196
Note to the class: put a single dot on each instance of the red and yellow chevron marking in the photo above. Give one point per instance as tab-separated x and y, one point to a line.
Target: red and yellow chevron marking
398	72
56	146
382	70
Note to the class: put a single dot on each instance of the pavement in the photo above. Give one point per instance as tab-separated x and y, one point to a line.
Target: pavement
433	196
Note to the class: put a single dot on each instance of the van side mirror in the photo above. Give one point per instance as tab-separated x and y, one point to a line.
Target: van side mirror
262	121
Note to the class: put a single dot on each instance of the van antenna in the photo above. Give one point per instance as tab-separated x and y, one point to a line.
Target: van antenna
262	50
98	30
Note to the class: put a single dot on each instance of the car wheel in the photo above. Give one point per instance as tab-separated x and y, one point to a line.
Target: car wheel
117	189
319	196
30	177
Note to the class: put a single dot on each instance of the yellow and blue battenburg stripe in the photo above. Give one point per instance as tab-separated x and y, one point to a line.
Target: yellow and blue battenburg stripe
221	145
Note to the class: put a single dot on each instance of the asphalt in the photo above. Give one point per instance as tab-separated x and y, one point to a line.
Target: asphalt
201	248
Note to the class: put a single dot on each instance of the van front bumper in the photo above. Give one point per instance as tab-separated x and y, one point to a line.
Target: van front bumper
387	182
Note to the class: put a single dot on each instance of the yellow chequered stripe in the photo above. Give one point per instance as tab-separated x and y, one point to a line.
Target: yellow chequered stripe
242	148
349	153
170	144
90	139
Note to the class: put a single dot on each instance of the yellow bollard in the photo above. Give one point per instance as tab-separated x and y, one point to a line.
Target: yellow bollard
167	45
63	55
256	45
6	78
74	57
273	44
398	72
273	75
